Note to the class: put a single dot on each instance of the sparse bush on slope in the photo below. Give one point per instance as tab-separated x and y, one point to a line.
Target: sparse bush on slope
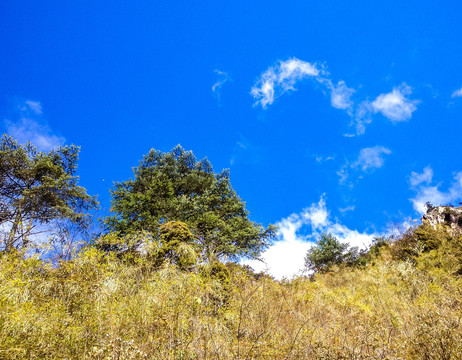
330	252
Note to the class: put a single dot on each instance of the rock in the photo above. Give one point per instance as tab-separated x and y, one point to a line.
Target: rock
450	217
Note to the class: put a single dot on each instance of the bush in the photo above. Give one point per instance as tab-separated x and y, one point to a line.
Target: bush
416	241
329	252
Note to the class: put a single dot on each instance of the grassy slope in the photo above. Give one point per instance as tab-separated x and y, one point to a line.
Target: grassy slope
99	307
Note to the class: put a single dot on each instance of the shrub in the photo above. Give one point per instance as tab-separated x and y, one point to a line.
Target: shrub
329	252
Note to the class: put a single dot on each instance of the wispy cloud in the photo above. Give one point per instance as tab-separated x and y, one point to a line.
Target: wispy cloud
368	160
425	177
346	209
281	78
371	158
396	105
297	233
341	96
30	126
245	151
322	159
343	173
457	93
222	78
340	93
426	192
362	116
32	106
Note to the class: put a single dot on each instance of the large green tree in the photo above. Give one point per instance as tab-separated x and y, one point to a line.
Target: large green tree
37	188
175	186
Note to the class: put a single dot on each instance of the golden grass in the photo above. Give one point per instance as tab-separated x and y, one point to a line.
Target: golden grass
97	306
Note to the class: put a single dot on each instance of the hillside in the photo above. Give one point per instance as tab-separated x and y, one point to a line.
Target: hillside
403	303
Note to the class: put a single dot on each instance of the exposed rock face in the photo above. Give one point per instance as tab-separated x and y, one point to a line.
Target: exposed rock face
451	217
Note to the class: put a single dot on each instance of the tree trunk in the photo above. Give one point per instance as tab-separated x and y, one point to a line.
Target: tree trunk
25	242
13	231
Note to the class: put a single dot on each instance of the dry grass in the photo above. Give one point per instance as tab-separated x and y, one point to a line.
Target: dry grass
100	307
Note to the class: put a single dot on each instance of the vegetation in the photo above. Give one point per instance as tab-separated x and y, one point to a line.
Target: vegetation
100	306
329	252
38	188
150	293
175	186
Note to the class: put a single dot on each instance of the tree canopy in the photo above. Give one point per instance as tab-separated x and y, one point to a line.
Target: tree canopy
37	188
175	186
329	252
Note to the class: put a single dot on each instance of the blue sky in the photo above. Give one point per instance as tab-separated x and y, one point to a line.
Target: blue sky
332	116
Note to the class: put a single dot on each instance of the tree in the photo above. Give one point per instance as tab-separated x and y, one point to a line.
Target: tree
175	186
329	252
37	188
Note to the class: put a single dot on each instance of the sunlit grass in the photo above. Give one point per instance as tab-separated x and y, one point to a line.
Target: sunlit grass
99	306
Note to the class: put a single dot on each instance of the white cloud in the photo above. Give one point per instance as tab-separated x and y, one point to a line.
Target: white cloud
457	93
431	194
395	105
395	229
316	215
343	173
281	78
425	177
348	208
371	158
31	127
277	80
321	159
284	259
425	192
299	232
223	77
361	118
34	106
340	96
368	160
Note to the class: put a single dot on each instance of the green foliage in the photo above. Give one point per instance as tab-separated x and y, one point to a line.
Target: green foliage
177	244
38	188
430	249
329	252
173	243
216	270
416	241
364	257
175	186
217	277
378	244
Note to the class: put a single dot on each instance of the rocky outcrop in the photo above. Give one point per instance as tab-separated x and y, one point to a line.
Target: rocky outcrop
450	217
